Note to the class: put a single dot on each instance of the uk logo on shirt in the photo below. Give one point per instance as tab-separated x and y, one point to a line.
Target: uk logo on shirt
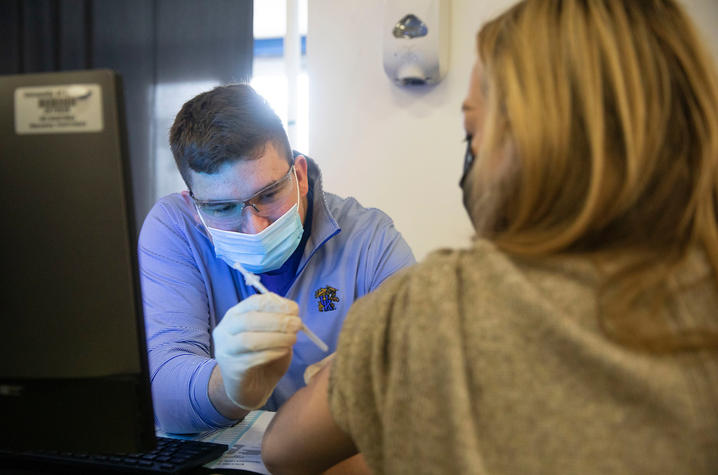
326	298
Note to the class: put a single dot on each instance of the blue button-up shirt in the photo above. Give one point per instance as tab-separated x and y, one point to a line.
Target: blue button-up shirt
186	291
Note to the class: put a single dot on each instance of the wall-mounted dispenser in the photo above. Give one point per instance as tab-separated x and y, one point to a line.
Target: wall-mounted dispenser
416	41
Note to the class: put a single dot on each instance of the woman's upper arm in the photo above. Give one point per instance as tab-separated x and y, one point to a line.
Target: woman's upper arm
303	437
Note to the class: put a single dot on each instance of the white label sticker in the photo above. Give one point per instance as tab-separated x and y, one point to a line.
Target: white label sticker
63	109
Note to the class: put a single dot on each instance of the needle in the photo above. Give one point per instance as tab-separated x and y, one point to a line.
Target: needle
253	280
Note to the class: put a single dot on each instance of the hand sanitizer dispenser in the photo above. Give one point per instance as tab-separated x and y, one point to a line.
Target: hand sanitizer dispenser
416	41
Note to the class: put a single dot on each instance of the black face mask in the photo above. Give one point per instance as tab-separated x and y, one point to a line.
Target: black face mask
468	160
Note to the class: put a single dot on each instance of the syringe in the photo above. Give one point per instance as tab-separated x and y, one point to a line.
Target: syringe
253	280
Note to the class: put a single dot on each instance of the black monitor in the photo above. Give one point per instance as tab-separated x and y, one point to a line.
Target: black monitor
73	362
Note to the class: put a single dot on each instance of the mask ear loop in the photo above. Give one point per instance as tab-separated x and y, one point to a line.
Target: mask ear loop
297	180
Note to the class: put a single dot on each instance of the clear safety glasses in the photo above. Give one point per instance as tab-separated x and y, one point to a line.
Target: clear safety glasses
269	202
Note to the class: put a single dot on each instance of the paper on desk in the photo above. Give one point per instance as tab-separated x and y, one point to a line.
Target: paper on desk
244	441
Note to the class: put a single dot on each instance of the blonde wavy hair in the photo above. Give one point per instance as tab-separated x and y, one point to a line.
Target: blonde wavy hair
610	109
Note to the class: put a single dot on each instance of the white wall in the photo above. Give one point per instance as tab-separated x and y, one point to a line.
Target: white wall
401	149
705	14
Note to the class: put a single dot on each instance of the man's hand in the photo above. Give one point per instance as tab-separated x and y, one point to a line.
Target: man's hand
253	347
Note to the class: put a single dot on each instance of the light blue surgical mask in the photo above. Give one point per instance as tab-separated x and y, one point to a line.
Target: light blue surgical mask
265	251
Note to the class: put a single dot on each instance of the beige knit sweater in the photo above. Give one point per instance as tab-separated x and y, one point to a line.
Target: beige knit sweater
473	362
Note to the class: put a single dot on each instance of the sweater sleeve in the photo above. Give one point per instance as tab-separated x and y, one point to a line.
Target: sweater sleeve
177	326
400	363
357	389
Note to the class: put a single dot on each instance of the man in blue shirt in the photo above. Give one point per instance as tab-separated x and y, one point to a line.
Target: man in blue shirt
250	201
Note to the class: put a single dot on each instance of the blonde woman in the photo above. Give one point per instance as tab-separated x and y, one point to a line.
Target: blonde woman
580	333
